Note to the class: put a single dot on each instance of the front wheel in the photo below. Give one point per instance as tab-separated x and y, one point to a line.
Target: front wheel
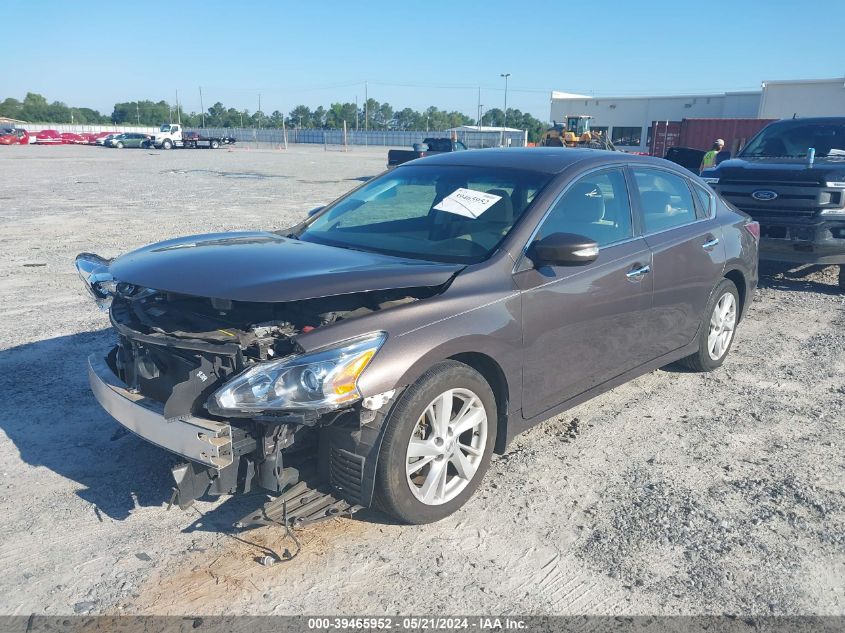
437	445
717	332
167	144
119	145
215	144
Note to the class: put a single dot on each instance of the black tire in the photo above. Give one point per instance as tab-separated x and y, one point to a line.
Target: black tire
215	144
702	360
167	144
842	277
119	145
392	490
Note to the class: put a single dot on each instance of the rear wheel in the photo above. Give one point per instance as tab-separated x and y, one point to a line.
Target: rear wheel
119	145
717	332
215	144
437	444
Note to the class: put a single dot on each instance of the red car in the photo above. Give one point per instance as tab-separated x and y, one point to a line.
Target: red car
71	138
13	136
48	137
88	138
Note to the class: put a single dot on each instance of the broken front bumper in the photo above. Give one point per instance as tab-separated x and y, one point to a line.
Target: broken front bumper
200	440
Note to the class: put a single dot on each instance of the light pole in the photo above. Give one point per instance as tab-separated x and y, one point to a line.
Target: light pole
505	114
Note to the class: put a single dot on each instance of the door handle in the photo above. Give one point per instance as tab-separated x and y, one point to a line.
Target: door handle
710	244
635	274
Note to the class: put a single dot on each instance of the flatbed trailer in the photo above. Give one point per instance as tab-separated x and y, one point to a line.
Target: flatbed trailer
171	135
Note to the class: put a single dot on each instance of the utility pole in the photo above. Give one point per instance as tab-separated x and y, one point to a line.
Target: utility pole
202	108
505	114
356	113
259	111
178	111
366	109
479	106
138	113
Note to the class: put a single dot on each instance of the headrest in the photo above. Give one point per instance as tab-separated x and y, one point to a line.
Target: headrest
502	211
584	203
656	201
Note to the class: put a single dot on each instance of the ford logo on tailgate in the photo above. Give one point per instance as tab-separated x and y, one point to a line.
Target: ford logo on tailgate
764	195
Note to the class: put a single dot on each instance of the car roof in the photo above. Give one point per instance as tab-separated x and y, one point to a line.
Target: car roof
549	160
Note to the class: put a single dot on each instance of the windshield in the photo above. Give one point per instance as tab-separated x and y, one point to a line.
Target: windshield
792	139
164	128
438	213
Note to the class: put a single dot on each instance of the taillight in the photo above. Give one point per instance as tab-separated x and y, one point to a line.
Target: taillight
753	227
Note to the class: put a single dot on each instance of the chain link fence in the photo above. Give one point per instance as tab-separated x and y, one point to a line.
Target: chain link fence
276	136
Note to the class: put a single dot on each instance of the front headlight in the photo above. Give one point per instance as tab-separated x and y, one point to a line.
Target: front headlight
836	212
323	380
94	272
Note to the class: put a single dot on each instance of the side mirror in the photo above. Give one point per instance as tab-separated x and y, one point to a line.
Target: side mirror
563	249
315	211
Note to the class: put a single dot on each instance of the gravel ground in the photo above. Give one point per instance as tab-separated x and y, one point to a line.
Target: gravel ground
677	493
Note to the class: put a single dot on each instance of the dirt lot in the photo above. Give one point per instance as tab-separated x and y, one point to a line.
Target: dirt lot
678	493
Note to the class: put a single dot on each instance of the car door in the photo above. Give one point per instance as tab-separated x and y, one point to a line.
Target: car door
584	324
688	256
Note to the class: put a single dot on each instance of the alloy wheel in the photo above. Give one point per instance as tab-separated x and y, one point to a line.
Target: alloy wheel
446	447
722	326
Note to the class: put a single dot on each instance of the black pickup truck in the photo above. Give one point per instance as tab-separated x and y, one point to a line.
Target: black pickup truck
791	179
396	157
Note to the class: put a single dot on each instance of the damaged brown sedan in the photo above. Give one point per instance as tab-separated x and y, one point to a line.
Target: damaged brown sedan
380	351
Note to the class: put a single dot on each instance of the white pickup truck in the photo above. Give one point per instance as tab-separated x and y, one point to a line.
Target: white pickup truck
172	135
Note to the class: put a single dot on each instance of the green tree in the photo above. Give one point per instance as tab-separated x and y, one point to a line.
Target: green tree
35	108
318	117
11	108
143	113
300	116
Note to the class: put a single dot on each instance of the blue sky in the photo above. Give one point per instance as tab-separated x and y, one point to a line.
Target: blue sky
411	53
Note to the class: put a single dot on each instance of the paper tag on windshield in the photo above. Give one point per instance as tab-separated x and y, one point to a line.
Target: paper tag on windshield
467	202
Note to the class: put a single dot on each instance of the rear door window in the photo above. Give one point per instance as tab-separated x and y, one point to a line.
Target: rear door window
665	199
705	202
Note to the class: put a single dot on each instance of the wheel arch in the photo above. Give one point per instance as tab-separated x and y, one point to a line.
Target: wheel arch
738	278
495	377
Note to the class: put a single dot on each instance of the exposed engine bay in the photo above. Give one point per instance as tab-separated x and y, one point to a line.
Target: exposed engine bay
178	350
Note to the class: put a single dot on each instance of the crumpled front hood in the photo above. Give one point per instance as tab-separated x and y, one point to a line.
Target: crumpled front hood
260	266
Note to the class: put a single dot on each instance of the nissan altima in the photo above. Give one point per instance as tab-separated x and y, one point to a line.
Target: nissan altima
379	352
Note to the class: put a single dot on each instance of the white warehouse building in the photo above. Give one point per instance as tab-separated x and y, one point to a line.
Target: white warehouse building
802	97
628	119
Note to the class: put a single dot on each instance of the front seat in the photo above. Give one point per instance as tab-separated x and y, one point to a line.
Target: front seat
501	213
774	147
584	212
442	224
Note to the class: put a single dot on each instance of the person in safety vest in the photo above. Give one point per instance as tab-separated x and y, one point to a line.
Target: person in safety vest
709	159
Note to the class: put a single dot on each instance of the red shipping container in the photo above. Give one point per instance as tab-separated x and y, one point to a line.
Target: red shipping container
700	133
662	136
